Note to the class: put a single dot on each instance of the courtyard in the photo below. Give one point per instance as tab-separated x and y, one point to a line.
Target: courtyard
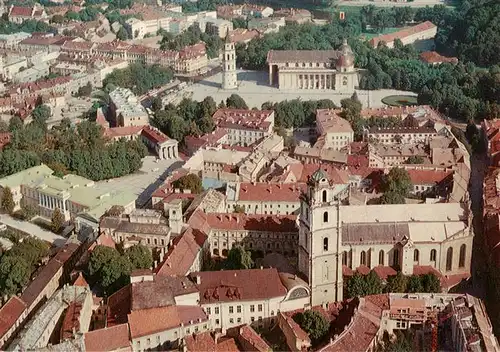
152	174
253	86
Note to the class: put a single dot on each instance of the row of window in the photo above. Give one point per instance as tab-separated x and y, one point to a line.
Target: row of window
231	309
288	236
416	256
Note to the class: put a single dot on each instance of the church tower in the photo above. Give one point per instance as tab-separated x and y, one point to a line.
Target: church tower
320	254
229	80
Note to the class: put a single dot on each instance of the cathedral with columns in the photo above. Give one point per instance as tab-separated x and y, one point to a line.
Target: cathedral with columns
314	69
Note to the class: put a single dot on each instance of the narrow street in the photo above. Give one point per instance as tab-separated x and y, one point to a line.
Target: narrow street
479	164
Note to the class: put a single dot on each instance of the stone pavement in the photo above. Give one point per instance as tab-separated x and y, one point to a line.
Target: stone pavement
32	229
152	174
253	86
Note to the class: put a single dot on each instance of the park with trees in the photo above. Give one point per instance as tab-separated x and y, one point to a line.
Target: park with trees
81	149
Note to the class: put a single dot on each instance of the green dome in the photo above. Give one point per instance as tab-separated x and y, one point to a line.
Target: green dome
318	175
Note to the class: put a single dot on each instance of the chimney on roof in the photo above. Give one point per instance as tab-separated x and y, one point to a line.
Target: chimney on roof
198	279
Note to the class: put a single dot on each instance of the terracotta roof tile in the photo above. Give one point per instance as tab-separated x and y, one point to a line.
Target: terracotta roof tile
149	321
335	175
252	222
182	254
432	57
250	337
119	306
387	38
261	191
9	313
329	121
384	272
108	339
242	119
154	135
239	285
80	281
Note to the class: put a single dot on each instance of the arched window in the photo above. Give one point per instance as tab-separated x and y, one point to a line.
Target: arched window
324	196
433	255
325	243
362	259
395	258
461	258
381	258
325	216
416	255
449	259
344	258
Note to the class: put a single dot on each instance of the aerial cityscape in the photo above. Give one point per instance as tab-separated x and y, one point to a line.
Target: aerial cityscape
263	175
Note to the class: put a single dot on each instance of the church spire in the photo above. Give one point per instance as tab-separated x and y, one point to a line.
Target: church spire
228	38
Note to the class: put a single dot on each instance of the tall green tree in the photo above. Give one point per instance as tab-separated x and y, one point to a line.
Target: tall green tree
396	283
414	284
238	258
234	101
189	182
139	256
107	268
57	221
41	114
313	323
8	204
396	185
14	274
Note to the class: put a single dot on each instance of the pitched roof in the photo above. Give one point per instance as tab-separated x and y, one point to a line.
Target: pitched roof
300	56
252	222
149	321
335	175
80	281
204	342
182	254
262	191
329	121
9	313
107	339
428	177
238	285
388	38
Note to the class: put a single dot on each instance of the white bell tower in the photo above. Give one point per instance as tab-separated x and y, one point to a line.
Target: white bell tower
229	79
320	254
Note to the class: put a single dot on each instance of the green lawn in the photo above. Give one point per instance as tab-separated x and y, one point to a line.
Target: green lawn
400	100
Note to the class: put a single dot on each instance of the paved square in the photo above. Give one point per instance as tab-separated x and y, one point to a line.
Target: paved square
253	86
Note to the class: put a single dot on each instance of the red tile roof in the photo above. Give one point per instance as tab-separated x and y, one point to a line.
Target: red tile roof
204	342
239	285
80	281
427	177
150	321
119	306
193	51
108	339
296	329
242	35
119	132
10	313
329	121
250	337
242	119
335	175
270	192
252	222
388	38
154	135
71	320
182	254
432	57
384	272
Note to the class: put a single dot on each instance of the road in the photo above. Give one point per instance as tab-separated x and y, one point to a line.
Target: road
33	230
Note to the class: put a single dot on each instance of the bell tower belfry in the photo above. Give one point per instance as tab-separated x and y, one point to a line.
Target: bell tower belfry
229	78
320	254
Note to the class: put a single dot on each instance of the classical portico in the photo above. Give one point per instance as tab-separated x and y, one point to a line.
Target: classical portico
168	152
50	202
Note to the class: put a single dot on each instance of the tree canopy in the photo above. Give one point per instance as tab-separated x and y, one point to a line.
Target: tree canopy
139	256
396	186
364	285
190	182
313	323
191	36
80	149
139	78
238	258
234	101
58	220
8	204
108	269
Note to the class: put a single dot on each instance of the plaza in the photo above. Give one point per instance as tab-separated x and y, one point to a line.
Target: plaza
253	86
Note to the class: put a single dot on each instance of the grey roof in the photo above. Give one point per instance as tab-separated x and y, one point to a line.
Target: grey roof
145	229
367	233
325	56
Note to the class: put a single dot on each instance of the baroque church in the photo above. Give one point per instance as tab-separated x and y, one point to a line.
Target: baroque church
337	239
